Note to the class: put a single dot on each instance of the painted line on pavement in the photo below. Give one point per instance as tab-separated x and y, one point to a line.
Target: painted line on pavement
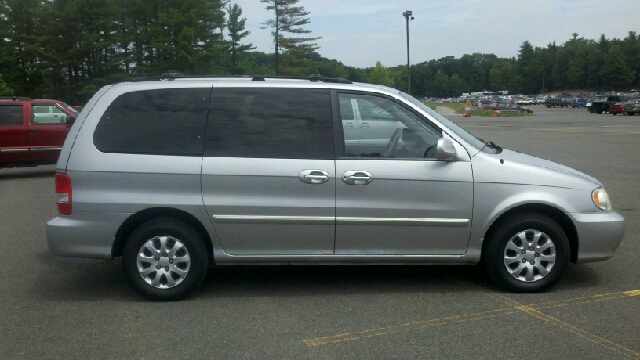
514	307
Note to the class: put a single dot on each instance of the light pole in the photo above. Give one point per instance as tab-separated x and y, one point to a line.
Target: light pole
408	15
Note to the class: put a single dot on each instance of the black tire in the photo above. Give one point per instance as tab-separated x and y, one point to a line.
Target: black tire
496	253
177	235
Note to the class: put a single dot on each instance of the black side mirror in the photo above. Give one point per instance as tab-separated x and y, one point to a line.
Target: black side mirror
70	120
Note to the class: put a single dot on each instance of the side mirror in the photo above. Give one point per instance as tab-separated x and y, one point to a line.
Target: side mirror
446	150
70	120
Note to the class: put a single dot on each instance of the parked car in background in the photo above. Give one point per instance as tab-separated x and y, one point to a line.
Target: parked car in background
602	105
505	106
616	108
524	102
632	107
578	103
555	102
32	131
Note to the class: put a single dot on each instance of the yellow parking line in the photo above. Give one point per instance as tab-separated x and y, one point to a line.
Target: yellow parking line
582	333
514	307
586	299
572	329
406	327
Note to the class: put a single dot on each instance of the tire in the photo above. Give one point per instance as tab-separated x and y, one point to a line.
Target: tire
164	259
516	271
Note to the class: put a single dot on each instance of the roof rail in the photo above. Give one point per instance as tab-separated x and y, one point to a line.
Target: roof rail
14	98
173	76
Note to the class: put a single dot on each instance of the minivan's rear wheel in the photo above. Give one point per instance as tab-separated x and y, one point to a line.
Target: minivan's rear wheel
526	253
164	259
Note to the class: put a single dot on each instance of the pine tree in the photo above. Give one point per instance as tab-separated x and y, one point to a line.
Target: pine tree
235	26
289	18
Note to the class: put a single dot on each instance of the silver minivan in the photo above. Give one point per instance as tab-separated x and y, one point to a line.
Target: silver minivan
176	173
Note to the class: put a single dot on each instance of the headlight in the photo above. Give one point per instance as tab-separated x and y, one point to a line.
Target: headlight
601	199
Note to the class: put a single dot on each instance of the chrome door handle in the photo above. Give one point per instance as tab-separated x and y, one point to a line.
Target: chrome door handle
364	125
313	176
357	177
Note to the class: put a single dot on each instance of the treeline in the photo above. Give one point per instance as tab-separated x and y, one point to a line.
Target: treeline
578	64
68	49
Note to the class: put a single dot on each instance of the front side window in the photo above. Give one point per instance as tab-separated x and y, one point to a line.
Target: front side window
466	136
10	114
385	129
155	122
47	115
270	123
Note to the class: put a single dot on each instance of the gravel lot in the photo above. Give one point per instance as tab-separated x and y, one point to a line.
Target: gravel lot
82	308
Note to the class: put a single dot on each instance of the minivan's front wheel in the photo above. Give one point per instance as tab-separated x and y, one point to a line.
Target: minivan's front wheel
526	253
164	259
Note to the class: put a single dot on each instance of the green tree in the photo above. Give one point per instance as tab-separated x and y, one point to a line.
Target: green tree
289	18
380	75
525	70
4	89
236	28
617	71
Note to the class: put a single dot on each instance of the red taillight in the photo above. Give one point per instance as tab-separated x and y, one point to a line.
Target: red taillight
63	186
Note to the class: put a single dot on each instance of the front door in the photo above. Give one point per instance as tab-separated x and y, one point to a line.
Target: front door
393	197
268	173
47	131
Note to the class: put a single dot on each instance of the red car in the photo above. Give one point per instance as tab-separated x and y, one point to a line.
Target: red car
617	108
32	131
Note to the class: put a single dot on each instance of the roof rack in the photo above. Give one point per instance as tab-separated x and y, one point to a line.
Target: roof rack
14	98
173	76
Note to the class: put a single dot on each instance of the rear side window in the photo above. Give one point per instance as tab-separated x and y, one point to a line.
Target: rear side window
270	123
10	115
155	122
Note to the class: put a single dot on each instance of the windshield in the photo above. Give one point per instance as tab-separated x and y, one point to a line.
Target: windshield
472	140
76	112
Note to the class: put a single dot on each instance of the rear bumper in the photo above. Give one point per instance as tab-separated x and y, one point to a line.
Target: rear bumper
599	235
84	234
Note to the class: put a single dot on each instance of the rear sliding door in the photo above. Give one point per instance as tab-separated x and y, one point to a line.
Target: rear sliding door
268	172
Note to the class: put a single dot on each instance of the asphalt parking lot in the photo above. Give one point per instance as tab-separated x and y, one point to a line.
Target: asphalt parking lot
82	308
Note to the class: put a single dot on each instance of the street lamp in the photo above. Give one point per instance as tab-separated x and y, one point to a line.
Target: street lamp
408	15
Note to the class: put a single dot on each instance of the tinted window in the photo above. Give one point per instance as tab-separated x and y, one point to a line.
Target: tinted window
10	114
270	123
158	122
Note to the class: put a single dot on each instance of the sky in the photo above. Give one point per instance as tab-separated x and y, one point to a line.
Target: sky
361	32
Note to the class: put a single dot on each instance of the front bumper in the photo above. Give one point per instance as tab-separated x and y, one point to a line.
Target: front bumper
84	234
599	235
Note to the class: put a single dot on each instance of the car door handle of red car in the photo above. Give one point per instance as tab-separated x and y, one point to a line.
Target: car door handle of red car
357	177
33	131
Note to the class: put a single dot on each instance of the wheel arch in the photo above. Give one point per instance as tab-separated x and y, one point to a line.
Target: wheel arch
139	218
555	214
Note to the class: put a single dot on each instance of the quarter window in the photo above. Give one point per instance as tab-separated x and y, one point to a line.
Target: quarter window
383	128
10	115
155	122
270	123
